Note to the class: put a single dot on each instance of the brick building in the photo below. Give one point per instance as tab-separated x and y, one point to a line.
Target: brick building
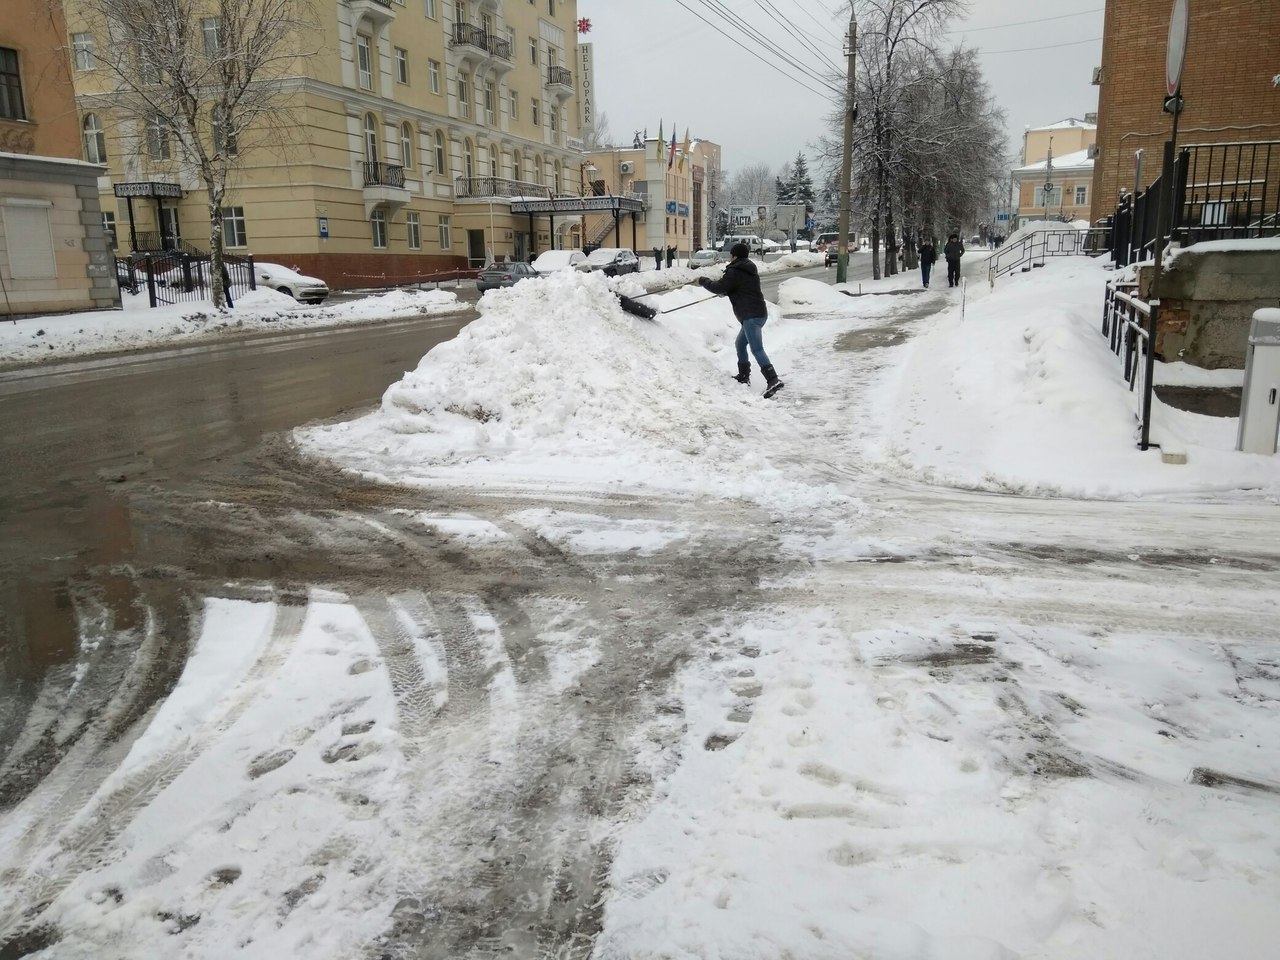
1233	52
53	255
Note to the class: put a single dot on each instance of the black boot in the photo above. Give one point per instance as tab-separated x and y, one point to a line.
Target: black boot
771	378
744	373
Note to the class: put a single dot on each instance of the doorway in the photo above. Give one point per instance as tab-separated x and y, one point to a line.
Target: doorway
170	232
475	248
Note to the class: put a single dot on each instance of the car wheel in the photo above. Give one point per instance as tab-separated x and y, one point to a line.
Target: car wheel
286	291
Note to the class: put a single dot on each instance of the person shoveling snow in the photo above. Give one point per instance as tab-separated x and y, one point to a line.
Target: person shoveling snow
741	284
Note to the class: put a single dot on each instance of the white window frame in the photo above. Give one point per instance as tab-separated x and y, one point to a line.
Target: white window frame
109	229
490	95
378	228
158	139
369	126
98	152
515	104
211	28
413	227
235	233
402	65
1082	195
442	158
464	95
429	9
446	232
433	76
82	51
364	60
553	120
533	51
406	145
534	117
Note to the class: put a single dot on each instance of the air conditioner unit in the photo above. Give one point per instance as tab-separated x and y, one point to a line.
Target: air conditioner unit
1097	76
627	166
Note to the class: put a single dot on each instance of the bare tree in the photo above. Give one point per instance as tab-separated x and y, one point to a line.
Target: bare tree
598	137
752	184
206	74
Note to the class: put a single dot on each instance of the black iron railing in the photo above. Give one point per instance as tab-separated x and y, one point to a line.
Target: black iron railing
559	76
499	47
1221	191
178	277
379	174
469	35
1035	248
472	188
1128	323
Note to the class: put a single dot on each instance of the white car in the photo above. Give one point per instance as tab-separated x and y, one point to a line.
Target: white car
612	261
549	261
302	288
707	258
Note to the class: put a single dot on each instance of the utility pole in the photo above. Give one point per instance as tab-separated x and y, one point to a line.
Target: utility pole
846	156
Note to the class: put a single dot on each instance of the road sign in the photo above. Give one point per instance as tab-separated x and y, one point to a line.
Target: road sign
1176	51
711	204
1048	186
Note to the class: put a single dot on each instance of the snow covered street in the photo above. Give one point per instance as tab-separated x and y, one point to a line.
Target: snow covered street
573	647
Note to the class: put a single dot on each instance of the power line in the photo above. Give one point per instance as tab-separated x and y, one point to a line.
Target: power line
1022	23
758	38
795	32
1052	46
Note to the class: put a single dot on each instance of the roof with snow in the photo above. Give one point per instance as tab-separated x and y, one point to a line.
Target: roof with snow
1079	160
1065	124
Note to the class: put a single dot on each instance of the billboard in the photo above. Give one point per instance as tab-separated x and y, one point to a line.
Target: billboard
586	89
742	215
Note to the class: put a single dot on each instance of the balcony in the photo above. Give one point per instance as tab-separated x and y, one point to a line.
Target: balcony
479	49
377	12
489	188
560	82
383	186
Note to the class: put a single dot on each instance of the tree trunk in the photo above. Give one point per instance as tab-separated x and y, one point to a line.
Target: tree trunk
216	268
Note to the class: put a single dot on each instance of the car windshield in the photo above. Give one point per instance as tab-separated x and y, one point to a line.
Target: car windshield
603	255
554	259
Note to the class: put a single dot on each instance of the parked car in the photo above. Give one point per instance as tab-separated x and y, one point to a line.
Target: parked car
549	261
707	258
504	275
613	261
280	278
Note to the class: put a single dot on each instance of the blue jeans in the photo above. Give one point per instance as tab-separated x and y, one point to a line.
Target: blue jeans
752	334
925	267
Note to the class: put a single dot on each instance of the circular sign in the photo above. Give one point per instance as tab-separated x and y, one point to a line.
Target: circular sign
1048	186
712	204
1177	48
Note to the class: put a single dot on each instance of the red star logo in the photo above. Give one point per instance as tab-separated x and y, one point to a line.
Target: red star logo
584	25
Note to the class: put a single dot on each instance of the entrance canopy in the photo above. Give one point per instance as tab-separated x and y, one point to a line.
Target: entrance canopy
571	205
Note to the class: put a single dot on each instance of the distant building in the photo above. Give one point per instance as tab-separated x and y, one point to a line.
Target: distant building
53	257
1233	50
1061	156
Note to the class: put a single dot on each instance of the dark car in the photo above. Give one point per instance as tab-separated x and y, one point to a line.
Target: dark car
504	275
613	261
832	254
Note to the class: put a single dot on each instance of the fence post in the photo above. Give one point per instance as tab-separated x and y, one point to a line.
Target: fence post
151	282
253	279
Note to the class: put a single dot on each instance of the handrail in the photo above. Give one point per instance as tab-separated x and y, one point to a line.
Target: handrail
1129	323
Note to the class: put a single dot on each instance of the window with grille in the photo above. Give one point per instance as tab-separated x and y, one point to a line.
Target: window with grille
11	106
234	233
82	51
378	223
414	225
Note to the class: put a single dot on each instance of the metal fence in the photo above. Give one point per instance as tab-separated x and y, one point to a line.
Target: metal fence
1221	191
168	278
1128	323
1037	247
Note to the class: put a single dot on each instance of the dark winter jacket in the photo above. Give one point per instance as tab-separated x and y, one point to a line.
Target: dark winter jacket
741	284
954	250
928	253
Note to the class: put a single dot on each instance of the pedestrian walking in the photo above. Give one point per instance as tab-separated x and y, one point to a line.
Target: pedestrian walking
928	257
953	251
671	255
741	284
657	259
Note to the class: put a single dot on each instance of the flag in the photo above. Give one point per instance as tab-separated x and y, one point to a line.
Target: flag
661	141
671	156
684	150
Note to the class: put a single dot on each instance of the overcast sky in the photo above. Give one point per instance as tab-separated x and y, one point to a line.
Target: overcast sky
676	61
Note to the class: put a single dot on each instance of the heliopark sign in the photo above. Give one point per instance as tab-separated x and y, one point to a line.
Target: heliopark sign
586	88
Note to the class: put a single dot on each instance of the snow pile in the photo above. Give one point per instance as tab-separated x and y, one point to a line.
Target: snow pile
137	325
1021	393
556	381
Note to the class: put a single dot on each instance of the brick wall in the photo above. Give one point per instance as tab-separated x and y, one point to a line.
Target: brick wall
346	271
1233	51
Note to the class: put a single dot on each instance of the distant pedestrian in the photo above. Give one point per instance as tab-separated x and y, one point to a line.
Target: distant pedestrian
671	256
741	284
953	251
657	259
928	257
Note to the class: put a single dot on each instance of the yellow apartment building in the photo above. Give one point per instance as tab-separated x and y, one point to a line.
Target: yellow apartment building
53	257
1059	155
416	124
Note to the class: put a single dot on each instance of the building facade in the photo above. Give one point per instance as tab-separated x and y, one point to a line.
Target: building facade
1060	156
414	125
53	256
1232	54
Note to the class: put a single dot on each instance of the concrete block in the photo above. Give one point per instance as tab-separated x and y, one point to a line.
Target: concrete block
87	191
